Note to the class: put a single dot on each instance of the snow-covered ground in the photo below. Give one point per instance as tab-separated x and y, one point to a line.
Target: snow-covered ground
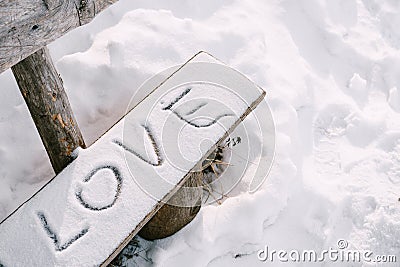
331	70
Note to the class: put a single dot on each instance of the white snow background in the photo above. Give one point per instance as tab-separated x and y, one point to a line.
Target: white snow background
331	69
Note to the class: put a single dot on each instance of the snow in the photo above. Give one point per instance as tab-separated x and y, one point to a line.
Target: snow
331	72
115	182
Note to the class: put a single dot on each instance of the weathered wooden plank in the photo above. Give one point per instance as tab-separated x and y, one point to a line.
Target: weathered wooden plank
87	213
42	88
28	25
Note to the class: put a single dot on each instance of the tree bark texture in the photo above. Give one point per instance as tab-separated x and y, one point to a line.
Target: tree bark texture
42	89
29	25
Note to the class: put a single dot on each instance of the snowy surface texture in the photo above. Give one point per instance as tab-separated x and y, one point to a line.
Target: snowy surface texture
332	74
88	210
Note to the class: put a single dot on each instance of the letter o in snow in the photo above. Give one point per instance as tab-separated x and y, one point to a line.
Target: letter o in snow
118	177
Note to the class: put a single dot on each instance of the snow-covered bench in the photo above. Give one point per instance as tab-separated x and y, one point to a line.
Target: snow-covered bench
87	213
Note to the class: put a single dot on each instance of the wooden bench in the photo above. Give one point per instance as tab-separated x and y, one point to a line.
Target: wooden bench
87	213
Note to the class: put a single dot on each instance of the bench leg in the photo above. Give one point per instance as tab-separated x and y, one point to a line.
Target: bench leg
42	88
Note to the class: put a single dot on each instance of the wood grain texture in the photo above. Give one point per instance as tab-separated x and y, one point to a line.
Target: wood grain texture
42	88
28	25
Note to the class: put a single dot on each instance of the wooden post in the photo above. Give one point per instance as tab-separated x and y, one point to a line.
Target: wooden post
169	219
42	89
